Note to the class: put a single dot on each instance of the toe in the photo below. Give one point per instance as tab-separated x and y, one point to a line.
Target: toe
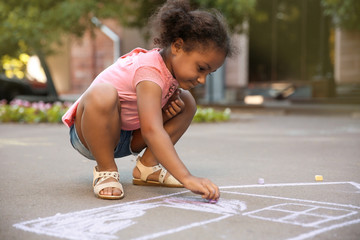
105	191
116	192
109	191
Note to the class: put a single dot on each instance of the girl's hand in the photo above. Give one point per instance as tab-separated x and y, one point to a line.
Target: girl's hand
174	106
203	187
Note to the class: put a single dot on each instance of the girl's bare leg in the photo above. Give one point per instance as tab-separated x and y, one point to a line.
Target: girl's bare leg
98	126
175	127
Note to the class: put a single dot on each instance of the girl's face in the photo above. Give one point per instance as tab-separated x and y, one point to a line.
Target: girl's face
191	68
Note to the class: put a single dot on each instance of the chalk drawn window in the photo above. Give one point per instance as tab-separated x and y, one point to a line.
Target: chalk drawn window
300	214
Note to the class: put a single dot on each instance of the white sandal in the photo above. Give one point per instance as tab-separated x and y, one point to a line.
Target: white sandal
98	185
170	181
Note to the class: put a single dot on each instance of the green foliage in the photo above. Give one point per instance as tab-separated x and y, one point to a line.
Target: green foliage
211	115
345	13
27	26
39	112
235	11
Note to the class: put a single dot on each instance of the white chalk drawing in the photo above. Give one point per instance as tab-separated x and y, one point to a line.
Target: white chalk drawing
125	219
300	214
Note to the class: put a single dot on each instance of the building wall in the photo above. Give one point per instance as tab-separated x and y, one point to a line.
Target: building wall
79	60
59	65
236	69
347	56
90	55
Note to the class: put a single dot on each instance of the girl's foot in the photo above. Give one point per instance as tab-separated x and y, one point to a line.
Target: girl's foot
111	191
153	175
106	184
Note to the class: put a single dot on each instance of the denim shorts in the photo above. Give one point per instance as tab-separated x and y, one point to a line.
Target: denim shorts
121	150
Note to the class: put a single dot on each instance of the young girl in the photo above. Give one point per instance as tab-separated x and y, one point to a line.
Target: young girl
142	102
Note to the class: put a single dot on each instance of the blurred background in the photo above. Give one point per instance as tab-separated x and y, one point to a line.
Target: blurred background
289	50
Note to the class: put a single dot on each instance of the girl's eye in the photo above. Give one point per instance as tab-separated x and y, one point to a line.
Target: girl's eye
201	69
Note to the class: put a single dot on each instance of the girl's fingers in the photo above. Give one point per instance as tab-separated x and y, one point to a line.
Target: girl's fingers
208	191
213	191
217	192
172	111
175	105
173	108
180	103
204	187
205	193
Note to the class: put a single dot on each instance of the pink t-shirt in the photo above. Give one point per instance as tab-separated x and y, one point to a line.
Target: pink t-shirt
130	69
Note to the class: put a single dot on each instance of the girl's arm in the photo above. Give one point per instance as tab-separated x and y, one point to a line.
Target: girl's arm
160	144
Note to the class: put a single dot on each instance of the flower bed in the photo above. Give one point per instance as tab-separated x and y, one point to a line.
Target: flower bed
40	112
37	112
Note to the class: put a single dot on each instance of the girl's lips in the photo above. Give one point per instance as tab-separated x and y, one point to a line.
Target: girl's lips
194	83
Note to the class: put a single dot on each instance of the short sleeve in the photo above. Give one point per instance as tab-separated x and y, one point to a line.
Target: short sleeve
148	74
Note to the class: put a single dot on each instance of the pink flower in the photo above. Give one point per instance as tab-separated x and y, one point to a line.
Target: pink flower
3	102
35	105
26	103
48	106
15	102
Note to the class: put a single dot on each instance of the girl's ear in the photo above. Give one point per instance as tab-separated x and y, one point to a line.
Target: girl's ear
177	46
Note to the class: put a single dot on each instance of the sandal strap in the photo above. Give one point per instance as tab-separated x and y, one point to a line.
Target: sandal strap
146	171
171	180
162	175
99	177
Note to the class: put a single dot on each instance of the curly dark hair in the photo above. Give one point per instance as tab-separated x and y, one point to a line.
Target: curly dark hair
197	28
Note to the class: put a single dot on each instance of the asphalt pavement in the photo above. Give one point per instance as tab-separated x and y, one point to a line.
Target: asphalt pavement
46	188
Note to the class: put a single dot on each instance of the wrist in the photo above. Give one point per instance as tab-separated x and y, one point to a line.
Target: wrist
185	179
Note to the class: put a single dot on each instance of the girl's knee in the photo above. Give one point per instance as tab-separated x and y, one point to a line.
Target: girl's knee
188	99
102	96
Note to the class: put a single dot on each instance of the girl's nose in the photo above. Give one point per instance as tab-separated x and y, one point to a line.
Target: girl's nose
202	79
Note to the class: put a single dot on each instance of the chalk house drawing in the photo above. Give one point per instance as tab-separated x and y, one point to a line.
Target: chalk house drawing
110	222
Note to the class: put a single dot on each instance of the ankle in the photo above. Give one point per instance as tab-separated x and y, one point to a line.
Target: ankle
147	162
100	168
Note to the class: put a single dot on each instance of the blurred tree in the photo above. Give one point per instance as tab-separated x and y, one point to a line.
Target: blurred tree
28	26
235	11
345	13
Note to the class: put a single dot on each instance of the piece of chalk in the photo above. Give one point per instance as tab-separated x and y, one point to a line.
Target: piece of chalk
261	181
319	178
212	201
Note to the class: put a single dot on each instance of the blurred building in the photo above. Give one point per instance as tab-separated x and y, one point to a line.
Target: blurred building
80	60
295	52
289	51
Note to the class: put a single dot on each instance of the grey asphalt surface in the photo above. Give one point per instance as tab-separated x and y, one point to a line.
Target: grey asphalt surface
46	188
